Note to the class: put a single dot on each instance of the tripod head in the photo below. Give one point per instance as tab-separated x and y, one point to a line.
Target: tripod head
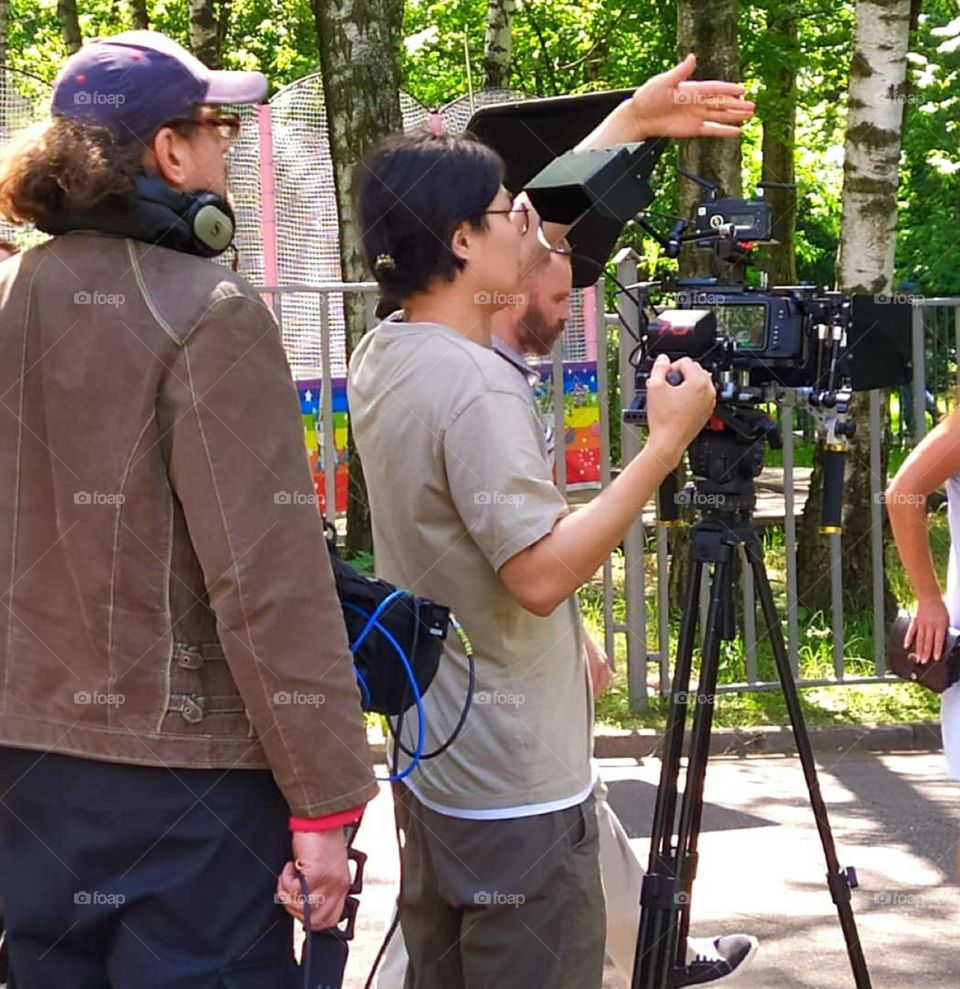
724	459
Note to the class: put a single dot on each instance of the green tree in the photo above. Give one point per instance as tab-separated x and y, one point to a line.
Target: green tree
878	79
929	185
357	40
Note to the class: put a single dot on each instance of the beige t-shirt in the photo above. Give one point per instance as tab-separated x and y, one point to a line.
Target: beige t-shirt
452	453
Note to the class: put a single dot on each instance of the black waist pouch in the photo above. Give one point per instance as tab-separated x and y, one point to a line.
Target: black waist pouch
416	625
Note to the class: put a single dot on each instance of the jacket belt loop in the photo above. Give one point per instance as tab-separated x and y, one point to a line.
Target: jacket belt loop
188	657
193	709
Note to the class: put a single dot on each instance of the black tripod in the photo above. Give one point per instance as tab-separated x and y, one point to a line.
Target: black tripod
724	462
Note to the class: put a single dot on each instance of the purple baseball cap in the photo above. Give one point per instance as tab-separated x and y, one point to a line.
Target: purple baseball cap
137	81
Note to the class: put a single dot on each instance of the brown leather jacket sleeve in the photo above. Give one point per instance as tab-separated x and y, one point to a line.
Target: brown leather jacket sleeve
238	465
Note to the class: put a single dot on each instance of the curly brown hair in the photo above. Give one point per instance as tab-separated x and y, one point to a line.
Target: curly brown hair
63	164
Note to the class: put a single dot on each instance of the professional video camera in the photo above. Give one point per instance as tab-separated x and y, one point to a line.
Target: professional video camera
757	341
822	343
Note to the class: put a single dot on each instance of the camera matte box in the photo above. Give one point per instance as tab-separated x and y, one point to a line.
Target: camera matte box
878	352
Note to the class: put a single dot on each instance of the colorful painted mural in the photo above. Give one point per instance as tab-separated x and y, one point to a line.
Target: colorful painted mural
581	434
581	426
309	392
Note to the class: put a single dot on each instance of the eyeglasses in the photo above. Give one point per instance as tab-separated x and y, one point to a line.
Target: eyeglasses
227	124
561	247
521	212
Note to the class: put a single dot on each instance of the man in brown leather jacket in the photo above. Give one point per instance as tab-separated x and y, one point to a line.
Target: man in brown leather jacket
176	687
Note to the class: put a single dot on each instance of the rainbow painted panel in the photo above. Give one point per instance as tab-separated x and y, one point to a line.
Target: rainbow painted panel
581	426
309	391
581	417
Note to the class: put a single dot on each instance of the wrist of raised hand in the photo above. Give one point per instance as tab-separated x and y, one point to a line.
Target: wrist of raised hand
637	124
663	454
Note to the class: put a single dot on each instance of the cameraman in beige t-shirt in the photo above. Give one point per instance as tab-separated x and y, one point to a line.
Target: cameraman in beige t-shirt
501	875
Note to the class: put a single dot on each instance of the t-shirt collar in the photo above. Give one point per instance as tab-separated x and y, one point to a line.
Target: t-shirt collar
517	359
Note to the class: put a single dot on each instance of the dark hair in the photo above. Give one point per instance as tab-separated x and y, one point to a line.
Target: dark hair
64	164
416	189
386	305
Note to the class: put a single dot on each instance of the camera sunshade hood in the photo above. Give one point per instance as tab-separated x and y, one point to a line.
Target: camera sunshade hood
529	135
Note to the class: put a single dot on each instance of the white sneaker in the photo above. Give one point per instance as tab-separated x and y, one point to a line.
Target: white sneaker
718	958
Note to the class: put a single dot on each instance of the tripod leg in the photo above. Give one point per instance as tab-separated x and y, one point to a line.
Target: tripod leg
658	884
838	881
691	812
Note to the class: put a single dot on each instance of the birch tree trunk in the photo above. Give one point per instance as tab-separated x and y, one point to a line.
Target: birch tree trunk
69	25
205	32
871	173
498	44
358	42
138	13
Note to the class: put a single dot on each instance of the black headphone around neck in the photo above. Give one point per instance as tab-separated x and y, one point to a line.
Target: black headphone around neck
202	222
199	223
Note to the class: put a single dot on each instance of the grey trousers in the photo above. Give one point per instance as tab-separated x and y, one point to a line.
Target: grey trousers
512	903
622	875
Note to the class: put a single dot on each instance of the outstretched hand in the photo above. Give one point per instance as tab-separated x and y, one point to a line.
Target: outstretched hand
670	105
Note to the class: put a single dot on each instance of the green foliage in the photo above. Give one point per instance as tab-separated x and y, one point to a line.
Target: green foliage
561	46
558	46
929	186
278	38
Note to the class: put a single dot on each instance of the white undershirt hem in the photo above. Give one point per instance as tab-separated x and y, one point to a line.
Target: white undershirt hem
503	813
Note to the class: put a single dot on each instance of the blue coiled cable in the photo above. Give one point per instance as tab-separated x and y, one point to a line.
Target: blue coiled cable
414	686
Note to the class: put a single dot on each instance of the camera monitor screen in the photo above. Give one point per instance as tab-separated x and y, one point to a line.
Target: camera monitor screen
744	324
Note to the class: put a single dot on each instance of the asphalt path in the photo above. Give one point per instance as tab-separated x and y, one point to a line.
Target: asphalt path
895	818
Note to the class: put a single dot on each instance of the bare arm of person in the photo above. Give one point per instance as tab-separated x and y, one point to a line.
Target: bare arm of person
544	574
935	458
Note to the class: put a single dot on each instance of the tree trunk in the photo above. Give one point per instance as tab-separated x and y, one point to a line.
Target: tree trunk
497	47
205	32
358	42
708	28
871	175
138	13
779	128
69	25
4	29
